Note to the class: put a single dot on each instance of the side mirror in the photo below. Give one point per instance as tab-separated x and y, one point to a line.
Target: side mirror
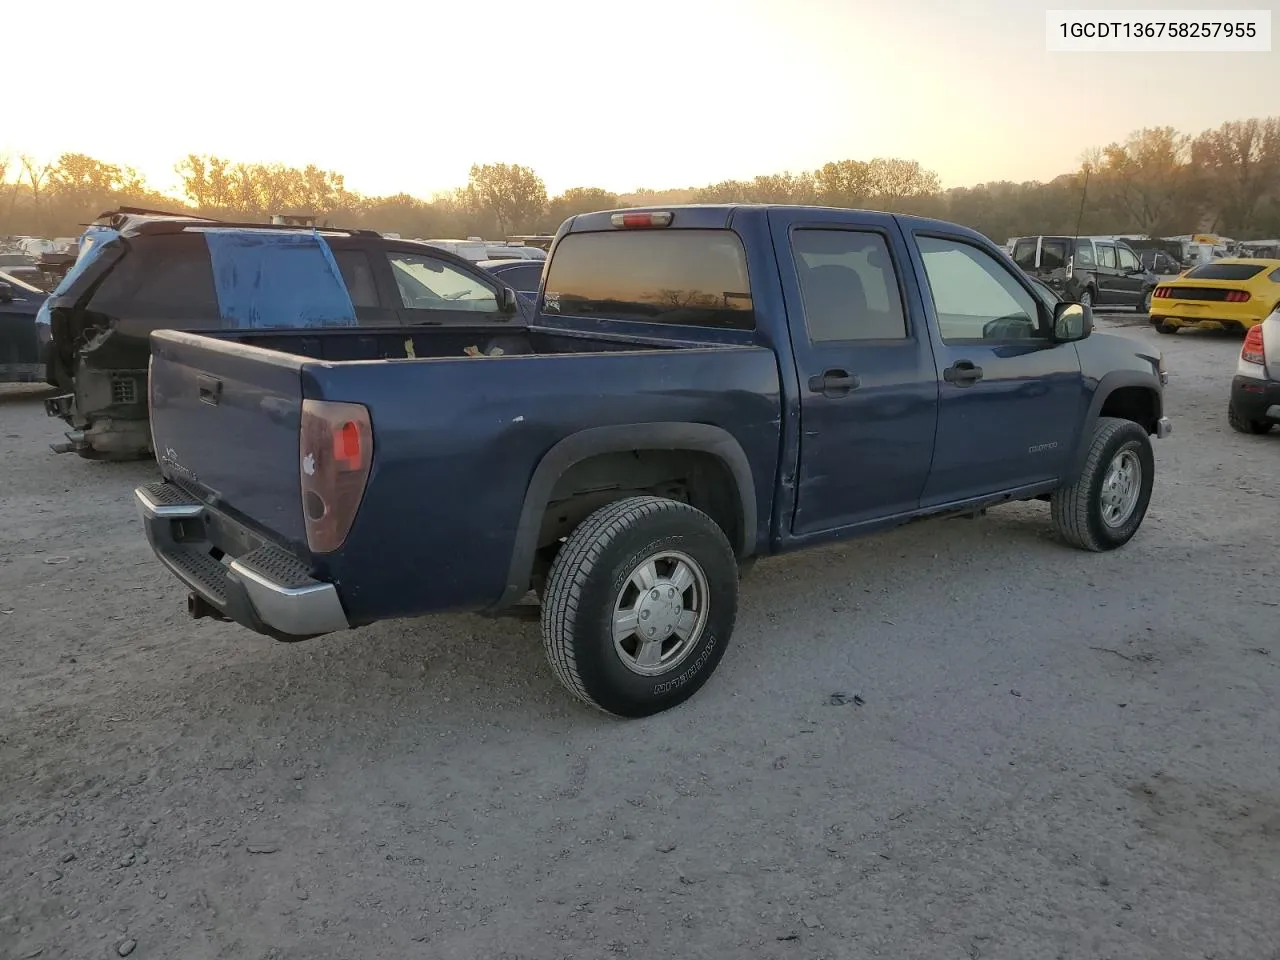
6	292
507	300
1071	322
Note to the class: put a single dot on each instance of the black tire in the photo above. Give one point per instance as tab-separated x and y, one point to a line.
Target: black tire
1242	424
1168	329
1077	510
1087	298
591	576
1145	305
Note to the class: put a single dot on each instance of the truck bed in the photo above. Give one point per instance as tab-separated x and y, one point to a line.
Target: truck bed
426	343
456	438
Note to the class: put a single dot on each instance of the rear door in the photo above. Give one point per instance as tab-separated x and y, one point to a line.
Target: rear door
869	390
356	258
436	289
1010	399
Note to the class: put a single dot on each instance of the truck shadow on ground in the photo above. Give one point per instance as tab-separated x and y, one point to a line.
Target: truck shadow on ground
401	686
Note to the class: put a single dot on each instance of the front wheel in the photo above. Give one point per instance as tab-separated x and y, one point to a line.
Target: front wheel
1145	305
1103	509
1086	299
639	605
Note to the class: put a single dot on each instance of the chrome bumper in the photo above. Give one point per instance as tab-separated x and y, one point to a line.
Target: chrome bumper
266	589
1164	427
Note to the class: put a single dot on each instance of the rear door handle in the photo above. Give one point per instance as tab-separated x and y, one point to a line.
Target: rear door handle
210	389
833	383
962	373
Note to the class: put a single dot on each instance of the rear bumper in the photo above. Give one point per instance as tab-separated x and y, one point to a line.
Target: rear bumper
254	583
1178	315
1256	399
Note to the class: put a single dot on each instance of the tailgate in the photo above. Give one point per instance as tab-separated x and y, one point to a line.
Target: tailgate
225	420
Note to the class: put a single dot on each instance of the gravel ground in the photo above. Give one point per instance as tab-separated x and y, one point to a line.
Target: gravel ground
1052	753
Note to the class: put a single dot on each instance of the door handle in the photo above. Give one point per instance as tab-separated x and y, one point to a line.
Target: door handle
210	389
962	373
833	383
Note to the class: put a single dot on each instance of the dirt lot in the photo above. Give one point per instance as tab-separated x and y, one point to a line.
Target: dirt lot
1055	754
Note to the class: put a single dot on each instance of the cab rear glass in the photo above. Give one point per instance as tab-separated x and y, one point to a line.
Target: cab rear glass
687	277
1225	271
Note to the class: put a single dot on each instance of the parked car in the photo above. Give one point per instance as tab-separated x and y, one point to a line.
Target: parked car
140	271
1232	294
701	385
522	276
1160	263
21	346
1103	273
1255	389
21	266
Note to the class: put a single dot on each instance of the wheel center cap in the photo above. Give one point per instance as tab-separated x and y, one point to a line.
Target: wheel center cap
659	611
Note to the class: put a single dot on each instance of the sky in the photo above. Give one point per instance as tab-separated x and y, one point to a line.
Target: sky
405	96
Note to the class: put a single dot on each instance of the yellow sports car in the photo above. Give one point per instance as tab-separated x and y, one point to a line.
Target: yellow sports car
1230	294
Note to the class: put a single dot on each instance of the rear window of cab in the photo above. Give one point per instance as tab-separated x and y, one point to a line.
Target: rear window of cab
687	277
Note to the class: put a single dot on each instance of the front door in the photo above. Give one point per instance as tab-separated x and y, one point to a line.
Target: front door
869	392
1010	399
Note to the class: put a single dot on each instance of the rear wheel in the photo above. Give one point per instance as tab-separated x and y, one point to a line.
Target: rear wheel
640	605
1242	424
1168	329
1103	509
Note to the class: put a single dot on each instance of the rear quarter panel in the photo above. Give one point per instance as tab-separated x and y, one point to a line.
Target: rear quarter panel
456	443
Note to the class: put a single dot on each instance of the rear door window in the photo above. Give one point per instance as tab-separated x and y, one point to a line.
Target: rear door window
1107	255
357	274
849	286
688	277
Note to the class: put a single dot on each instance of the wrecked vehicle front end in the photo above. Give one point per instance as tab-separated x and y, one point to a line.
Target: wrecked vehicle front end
99	365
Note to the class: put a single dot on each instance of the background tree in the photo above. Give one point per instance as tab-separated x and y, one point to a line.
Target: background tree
574	201
514	196
1158	181
1241	164
1149	178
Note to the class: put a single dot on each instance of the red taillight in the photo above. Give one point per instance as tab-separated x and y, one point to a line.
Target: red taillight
1237	296
641	220
335	453
346	446
1160	293
1252	351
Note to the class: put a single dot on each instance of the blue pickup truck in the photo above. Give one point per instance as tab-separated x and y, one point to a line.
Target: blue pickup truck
698	386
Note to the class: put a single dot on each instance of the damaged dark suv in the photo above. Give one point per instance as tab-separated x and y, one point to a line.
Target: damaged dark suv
141	271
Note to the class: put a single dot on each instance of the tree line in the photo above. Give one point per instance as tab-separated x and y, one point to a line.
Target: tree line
1157	182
